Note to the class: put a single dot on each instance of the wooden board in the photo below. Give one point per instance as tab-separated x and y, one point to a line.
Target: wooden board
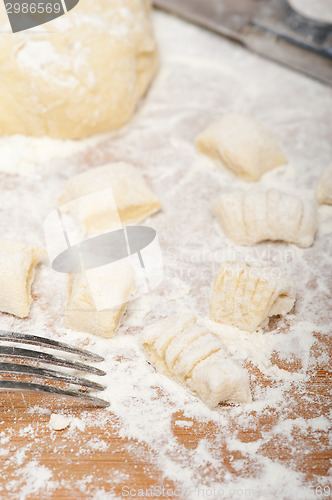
69	457
202	76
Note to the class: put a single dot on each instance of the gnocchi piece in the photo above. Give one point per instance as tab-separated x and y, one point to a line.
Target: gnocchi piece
97	299
248	217
324	186
246	295
105	197
242	145
59	422
195	358
17	269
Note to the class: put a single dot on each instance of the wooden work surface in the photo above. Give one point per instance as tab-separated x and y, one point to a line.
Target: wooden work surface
256	453
71	460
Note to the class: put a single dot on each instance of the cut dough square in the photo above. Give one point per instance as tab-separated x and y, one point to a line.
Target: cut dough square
17	270
88	291
246	295
324	186
242	145
185	351
104	197
248	217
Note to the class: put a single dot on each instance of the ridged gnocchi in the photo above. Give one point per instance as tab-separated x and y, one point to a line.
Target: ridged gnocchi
187	352
17	269
246	295
248	217
324	186
242	145
104	198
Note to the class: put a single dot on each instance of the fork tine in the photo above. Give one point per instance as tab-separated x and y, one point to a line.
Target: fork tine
15	352
10	385
9	368
49	343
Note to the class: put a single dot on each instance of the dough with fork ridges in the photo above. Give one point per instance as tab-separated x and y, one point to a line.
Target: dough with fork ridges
187	352
248	217
246	295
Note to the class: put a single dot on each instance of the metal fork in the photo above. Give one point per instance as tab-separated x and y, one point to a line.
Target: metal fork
36	372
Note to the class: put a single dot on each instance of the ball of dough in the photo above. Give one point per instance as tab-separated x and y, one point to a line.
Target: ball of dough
79	75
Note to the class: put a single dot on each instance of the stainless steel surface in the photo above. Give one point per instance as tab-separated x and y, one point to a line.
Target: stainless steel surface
44	357
32	370
36	372
13	386
269	27
223	16
23	338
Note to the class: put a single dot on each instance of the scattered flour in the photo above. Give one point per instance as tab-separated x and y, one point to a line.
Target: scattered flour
29	156
228	448
183	423
32	479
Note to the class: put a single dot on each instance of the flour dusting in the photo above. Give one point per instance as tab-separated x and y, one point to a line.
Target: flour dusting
260	450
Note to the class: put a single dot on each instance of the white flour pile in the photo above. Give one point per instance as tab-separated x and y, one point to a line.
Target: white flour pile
202	76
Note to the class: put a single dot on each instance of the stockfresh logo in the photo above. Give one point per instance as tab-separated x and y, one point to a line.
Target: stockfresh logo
26	14
110	257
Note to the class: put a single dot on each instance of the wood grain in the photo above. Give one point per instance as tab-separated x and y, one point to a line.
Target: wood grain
202	76
70	458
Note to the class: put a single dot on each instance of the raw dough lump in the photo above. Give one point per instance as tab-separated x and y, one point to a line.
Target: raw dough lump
105	197
17	270
59	422
195	357
246	296
80	74
241	144
324	187
97	299
248	217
